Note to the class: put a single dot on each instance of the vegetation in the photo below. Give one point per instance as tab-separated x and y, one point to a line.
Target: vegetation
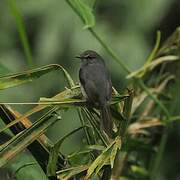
142	116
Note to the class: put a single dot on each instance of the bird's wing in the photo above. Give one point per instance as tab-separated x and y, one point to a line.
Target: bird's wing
89	86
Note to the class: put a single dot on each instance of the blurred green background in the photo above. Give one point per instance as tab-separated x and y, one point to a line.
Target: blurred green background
56	35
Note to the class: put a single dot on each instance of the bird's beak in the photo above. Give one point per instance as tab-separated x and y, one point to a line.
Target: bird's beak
79	57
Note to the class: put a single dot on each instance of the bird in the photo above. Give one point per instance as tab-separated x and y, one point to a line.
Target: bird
96	85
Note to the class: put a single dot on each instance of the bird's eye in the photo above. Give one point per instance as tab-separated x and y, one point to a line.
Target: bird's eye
89	56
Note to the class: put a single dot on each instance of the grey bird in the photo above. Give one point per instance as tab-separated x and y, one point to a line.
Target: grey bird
96	83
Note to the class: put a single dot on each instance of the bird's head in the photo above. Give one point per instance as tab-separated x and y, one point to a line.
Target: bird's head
90	56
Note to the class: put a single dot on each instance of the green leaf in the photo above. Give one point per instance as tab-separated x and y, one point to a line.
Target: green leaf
141	72
136	127
23	165
22	140
155	49
68	98
83	156
128	104
155	99
68	173
126	113
53	158
93	121
140	170
30	75
150	66
84	12
172	44
114	151
22	31
61	97
106	157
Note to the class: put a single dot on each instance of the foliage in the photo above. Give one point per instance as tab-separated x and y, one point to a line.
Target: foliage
141	118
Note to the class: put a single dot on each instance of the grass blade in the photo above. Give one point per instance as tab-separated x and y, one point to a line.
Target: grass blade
53	158
84	12
22	31
21	141
12	80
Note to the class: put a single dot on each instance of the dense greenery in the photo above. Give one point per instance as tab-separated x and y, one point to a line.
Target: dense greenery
143	104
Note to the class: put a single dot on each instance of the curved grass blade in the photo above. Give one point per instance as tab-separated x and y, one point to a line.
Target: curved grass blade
12	80
68	173
106	157
155	99
82	120
139	73
84	12
22	140
64	104
43	139
68	98
67	94
92	120
53	158
136	127
22	31
116	147
149	67
172	45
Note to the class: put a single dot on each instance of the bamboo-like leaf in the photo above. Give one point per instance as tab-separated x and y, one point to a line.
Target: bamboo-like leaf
128	104
155	49
67	94
154	98
139	99
135	128
53	158
43	139
70	172
84	155
22	140
100	161
114	151
171	45
84	12
152	65
68	98
30	75
96	147
140	73
106	157
127	113
96	127
27	114
22	31
87	149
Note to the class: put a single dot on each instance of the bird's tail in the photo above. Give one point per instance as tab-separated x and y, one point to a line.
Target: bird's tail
106	120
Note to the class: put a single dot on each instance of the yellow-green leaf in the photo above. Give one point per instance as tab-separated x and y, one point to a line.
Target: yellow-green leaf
68	173
12	80
148	67
114	151
105	157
